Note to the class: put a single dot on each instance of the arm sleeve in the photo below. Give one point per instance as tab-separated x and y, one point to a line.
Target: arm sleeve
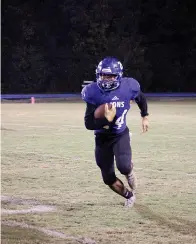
142	104
135	88
90	122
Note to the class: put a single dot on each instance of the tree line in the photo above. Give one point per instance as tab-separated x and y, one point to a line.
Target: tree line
52	46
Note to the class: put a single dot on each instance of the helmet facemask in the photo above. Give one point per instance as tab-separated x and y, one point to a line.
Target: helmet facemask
109	73
108	81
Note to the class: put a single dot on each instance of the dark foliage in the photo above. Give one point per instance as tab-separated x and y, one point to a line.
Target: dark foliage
52	46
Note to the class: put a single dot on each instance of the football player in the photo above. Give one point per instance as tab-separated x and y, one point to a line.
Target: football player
112	137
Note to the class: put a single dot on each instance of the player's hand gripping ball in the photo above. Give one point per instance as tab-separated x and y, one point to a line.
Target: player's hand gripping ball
107	111
100	111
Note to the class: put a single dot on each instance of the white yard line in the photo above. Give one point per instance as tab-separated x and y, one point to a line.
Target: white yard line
36	209
48	232
37	206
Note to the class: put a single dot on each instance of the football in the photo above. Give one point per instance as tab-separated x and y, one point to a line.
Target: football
100	111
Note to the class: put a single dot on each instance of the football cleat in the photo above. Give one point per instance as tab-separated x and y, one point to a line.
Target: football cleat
130	201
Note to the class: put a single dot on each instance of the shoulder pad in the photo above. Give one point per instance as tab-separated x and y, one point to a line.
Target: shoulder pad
88	93
133	86
132	83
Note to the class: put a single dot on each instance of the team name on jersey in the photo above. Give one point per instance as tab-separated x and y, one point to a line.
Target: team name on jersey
118	104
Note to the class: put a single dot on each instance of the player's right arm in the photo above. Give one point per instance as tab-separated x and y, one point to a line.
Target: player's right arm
89	120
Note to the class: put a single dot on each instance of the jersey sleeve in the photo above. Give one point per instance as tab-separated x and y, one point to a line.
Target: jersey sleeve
134	88
142	104
87	94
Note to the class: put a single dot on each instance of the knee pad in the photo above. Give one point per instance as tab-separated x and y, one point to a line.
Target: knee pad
124	164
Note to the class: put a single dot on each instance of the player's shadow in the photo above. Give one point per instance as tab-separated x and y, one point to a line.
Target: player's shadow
183	226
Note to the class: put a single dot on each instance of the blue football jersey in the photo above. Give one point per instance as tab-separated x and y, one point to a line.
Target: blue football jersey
120	97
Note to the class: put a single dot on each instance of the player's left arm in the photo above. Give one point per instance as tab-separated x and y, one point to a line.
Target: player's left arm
141	101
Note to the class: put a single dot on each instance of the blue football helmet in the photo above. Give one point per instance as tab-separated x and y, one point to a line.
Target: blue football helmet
109	73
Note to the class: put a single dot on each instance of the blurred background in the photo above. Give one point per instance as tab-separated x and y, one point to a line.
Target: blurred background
53	46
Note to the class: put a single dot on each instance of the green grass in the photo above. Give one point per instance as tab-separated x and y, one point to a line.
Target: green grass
48	156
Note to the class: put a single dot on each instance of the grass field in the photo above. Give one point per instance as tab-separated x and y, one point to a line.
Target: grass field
48	159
